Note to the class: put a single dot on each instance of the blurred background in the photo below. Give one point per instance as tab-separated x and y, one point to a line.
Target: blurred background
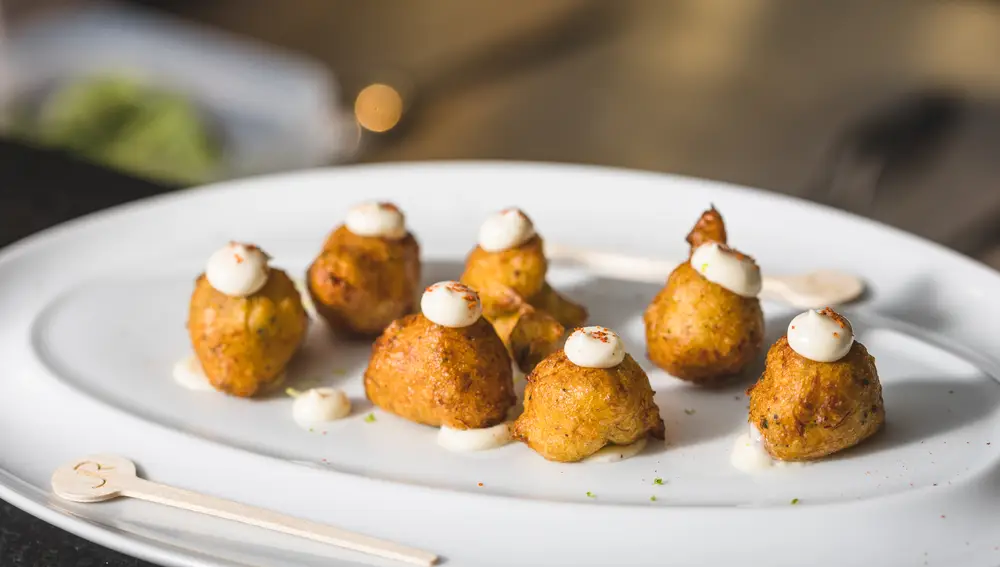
888	109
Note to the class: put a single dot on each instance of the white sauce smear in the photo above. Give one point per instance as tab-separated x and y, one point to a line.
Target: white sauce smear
319	405
749	454
615	453
468	440
382	220
451	304
730	269
823	336
507	229
189	374
237	270
595	347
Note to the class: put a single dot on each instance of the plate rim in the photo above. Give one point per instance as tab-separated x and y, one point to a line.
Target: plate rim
166	554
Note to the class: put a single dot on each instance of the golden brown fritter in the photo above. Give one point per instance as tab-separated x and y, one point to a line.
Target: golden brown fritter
709	228
360	284
571	412
502	278
569	314
807	410
511	281
244	343
436	375
530	335
698	330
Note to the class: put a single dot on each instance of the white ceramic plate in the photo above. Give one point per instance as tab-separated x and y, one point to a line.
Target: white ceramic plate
93	318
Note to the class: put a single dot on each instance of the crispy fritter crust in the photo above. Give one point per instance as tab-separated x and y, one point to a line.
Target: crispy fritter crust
435	375
244	343
807	410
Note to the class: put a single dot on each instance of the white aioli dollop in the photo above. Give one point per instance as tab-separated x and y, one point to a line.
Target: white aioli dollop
595	347
318	405
383	220
749	454
189	374
823	336
615	453
451	304
507	229
237	270
467	440
724	266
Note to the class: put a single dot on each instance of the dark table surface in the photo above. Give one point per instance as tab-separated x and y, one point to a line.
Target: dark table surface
39	189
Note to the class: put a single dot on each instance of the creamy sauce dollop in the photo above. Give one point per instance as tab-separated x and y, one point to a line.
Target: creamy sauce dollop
823	336
319	405
189	374
237	270
722	265
451	304
748	454
467	440
507	229
383	220
615	453
594	347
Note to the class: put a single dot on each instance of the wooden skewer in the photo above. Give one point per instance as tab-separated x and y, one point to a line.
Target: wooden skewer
807	291
103	477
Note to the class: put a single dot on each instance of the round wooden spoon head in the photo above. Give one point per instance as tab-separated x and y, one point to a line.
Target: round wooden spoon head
816	289
92	479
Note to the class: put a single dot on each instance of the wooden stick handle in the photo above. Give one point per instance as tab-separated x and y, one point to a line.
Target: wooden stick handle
229	510
612	265
637	269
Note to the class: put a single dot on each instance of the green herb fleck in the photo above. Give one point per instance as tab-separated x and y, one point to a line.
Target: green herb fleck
795	501
293	392
591	494
689	411
658	480
310	430
652	498
763	423
370	418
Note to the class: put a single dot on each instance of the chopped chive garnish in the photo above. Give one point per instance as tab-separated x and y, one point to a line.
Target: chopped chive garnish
591	494
652	498
689	411
293	392
657	480
795	500
370	418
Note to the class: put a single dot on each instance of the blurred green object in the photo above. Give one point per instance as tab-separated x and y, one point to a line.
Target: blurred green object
123	124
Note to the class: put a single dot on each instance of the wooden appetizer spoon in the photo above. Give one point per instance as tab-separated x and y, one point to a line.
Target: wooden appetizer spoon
103	477
817	289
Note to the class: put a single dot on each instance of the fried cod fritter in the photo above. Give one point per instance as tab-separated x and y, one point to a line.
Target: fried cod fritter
360	284
571	412
808	410
244	343
698	330
435	375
